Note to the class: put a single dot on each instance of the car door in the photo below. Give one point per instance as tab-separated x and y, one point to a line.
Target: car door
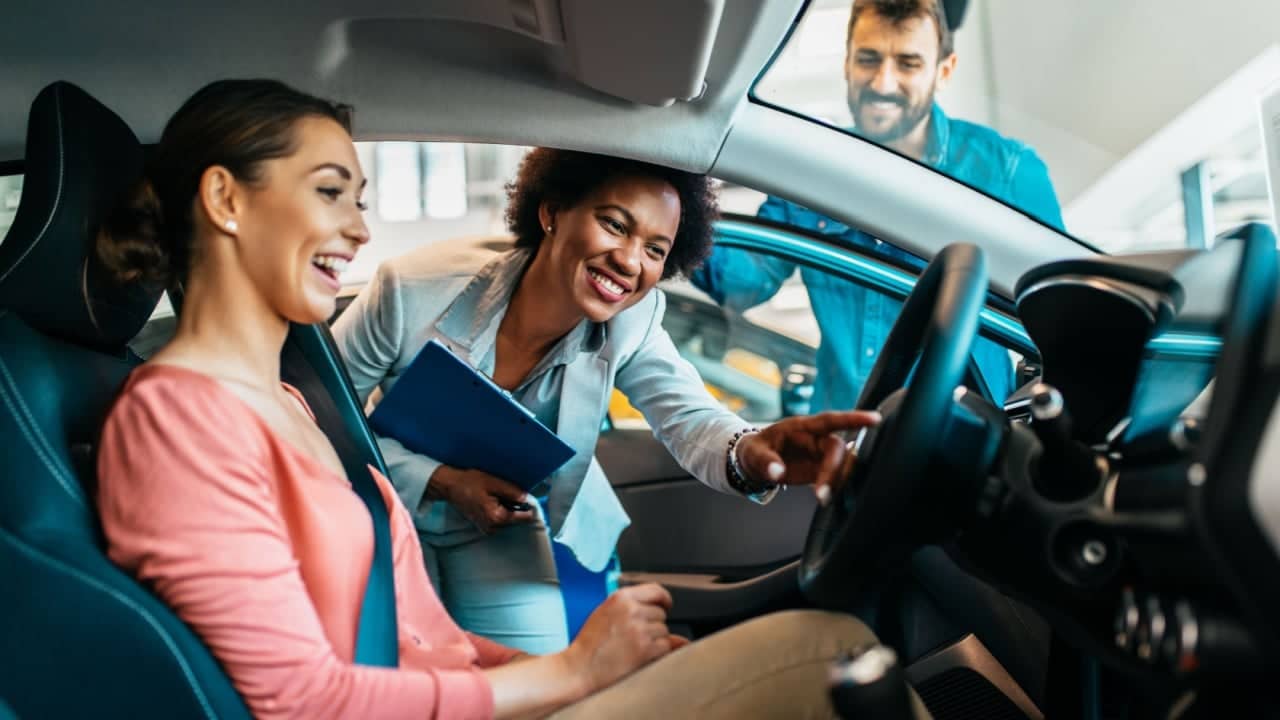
723	557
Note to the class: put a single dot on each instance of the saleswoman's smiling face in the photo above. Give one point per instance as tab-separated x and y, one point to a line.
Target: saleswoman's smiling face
610	249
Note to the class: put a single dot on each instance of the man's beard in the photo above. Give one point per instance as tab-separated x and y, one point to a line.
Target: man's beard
912	115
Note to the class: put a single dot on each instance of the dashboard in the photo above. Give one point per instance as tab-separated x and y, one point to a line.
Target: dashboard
1139	506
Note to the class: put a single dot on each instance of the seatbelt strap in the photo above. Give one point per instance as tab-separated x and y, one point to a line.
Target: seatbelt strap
376	637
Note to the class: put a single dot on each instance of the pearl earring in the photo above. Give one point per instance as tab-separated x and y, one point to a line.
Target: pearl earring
550	229
231	225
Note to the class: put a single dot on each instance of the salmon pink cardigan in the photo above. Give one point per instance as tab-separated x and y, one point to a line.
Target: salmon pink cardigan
265	552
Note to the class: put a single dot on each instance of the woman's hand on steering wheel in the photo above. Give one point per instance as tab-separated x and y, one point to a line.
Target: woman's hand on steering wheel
803	450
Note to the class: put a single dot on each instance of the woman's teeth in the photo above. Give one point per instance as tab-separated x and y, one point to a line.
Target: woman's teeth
333	263
608	284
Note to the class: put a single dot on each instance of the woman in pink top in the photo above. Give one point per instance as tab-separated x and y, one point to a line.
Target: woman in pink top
217	488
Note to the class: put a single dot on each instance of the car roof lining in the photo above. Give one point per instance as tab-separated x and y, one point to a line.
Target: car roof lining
414	69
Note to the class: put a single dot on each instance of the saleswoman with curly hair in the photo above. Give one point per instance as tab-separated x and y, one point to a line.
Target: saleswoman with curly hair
560	315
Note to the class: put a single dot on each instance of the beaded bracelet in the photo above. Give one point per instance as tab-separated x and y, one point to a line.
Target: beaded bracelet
737	479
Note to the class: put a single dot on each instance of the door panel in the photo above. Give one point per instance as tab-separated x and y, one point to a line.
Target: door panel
711	601
721	557
679	525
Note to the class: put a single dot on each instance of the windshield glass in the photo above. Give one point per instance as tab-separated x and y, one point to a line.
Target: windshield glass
1133	126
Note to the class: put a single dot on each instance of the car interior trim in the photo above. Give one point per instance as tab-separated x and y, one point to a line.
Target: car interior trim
1186	344
394	63
661	59
1099	285
702	597
969	653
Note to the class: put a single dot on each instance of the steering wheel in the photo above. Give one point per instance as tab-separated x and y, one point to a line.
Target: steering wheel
881	513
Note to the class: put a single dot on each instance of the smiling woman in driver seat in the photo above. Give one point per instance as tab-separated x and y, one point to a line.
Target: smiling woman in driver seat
218	490
559	317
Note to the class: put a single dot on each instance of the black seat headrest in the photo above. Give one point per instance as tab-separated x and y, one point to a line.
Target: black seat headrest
81	161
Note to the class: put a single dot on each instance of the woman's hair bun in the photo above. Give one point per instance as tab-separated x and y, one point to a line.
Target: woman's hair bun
130	242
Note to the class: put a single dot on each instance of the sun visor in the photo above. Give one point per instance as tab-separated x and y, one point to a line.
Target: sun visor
653	52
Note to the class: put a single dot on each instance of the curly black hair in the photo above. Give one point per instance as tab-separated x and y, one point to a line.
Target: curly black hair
564	177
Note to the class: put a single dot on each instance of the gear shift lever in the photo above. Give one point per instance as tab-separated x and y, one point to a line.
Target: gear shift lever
869	683
1066	470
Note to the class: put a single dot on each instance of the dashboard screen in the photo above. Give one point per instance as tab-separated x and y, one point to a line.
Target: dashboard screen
1166	385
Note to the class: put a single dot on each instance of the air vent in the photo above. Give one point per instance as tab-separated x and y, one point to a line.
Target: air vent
962	694
963	681
1018	410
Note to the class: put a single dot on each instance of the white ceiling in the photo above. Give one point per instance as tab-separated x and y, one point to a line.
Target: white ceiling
1088	81
1117	96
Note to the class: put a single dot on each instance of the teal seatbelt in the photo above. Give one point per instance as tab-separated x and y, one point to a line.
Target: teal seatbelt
377	640
376	636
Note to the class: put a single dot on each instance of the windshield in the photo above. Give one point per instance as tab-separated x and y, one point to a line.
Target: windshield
1133	126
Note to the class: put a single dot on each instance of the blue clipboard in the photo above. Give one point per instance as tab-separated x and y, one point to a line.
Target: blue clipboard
443	408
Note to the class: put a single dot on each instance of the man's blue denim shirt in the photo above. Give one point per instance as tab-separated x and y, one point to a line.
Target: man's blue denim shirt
855	321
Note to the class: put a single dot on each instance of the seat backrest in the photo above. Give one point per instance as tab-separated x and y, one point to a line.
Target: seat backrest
80	637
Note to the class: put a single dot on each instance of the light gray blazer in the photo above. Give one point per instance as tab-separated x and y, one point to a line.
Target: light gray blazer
450	291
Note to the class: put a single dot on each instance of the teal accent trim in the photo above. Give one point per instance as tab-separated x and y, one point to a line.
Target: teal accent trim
851	266
1005	328
1186	345
732	233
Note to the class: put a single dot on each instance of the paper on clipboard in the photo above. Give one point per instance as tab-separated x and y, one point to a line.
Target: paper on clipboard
1270	116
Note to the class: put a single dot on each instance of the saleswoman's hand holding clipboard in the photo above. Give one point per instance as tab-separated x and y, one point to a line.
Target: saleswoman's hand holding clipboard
492	448
489	502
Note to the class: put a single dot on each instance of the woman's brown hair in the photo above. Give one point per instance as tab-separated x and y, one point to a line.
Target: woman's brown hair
235	124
